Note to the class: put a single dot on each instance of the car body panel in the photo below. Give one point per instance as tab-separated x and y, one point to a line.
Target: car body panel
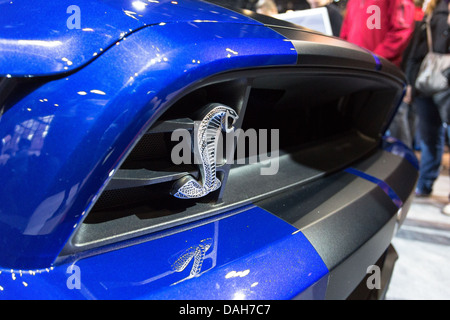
34	45
66	135
83	132
355	215
235	256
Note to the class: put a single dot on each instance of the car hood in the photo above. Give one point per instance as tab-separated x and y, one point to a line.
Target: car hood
41	38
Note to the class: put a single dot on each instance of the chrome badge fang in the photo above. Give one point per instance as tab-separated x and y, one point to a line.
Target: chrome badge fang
208	132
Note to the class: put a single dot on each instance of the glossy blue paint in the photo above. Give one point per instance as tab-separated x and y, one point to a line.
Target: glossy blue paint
398	148
243	255
63	141
41	37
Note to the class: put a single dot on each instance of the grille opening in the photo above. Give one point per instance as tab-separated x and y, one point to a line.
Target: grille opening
145	203
150	163
326	120
312	111
313	107
300	122
153	152
230	93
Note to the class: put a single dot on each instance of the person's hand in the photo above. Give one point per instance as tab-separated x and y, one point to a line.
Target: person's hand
407	98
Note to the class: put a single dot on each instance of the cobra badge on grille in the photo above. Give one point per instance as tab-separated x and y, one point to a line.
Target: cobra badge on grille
207	135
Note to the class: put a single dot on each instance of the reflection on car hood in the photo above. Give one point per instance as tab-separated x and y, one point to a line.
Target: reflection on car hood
40	37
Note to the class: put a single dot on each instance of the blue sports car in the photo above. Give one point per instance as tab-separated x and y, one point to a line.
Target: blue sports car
160	149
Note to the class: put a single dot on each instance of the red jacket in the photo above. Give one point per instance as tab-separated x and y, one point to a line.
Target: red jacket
381	26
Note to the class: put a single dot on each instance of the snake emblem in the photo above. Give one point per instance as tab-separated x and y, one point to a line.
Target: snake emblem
208	132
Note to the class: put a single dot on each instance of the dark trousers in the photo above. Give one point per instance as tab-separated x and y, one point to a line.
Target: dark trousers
432	141
403	126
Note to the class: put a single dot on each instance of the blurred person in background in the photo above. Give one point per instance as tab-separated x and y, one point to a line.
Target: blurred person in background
446	209
292	5
432	115
266	7
384	27
404	124
419	14
334	13
419	11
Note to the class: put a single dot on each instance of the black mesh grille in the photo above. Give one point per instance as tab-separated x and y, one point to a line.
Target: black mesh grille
151	147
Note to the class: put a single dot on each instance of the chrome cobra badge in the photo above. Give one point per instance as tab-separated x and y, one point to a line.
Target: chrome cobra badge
207	135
